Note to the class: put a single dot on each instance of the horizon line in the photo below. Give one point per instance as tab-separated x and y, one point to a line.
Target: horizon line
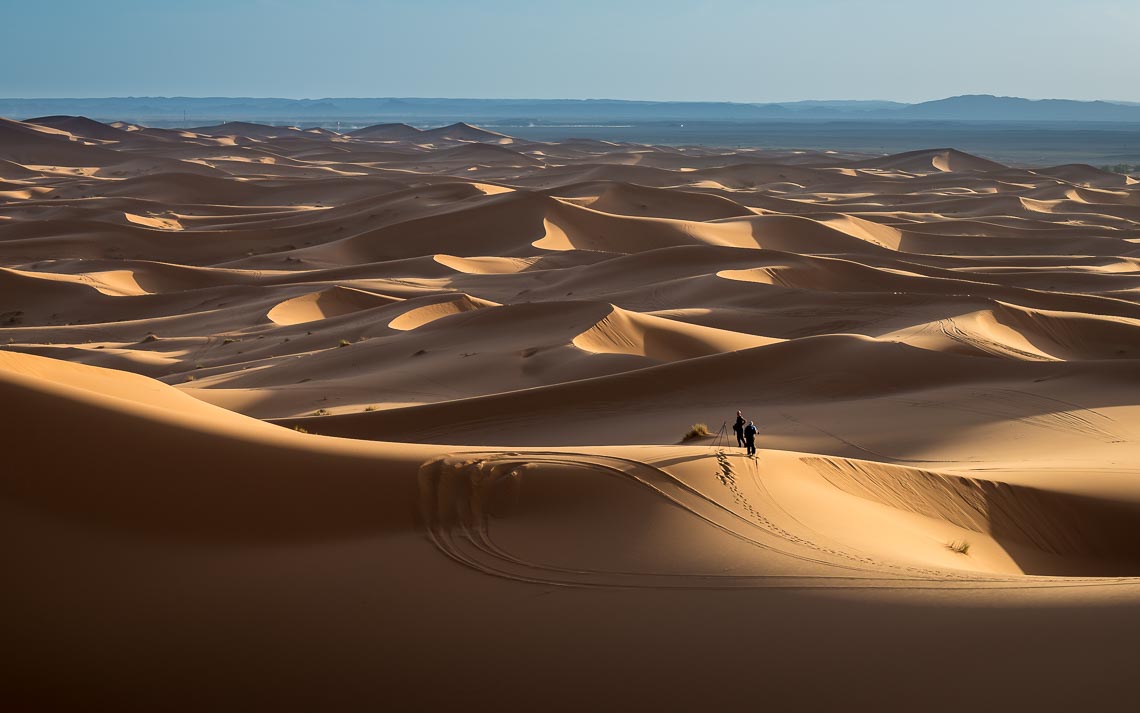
565	99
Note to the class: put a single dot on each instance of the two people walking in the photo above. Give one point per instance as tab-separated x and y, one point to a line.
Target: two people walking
745	433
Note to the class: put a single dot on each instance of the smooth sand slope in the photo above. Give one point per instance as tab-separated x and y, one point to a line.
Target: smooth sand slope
298	420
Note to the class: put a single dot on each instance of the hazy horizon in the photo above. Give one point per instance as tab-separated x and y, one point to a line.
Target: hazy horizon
725	50
556	99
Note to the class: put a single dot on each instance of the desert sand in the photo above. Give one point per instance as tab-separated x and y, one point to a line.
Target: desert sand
394	419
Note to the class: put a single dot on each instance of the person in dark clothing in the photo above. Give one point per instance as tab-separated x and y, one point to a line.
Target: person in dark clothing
738	426
750	438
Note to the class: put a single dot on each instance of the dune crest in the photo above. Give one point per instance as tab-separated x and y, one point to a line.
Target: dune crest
623	332
419	316
333	302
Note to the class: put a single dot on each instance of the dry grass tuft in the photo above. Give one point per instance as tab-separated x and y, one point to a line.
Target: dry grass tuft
960	546
697	430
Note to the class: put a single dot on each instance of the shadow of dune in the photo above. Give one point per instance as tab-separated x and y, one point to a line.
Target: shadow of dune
1046	532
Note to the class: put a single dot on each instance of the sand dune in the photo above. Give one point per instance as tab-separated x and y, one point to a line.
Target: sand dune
80	126
461	131
925	161
387	132
419	316
35	146
332	302
382	415
660	339
633	200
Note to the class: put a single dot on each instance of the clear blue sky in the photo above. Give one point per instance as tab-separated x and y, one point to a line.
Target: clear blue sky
733	50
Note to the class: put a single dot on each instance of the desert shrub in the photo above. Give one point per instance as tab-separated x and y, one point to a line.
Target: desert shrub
960	546
697	430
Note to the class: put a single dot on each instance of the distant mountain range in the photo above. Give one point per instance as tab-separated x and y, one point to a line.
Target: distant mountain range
191	110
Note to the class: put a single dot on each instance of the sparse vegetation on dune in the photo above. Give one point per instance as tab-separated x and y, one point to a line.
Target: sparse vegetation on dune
960	546
697	430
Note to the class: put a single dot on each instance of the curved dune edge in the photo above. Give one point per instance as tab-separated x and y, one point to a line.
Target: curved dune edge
484	265
634	200
117	282
419	316
884	236
754	508
624	332
22	284
332	302
981	333
866	522
153	222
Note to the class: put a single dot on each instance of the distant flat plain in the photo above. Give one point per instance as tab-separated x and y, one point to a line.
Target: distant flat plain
1010	143
1013	143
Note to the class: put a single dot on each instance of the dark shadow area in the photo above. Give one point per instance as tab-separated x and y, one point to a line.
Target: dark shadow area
1053	533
